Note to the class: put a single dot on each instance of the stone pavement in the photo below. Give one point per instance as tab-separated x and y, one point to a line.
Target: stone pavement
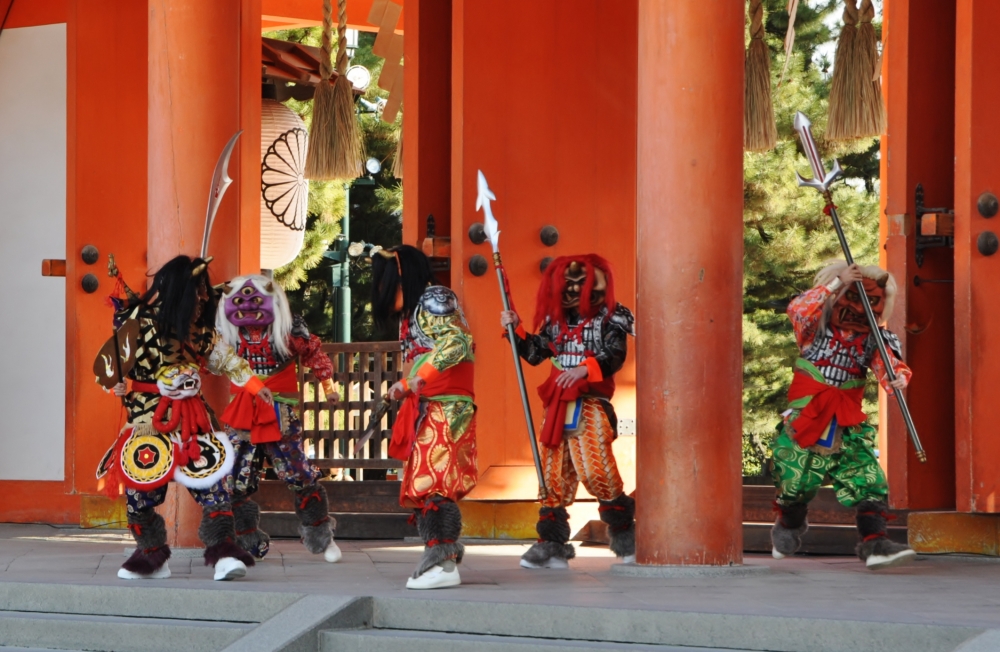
932	590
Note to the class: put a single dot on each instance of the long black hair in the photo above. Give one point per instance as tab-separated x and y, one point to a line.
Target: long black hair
386	280
175	289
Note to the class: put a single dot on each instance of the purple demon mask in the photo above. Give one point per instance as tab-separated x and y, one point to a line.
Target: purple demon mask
250	307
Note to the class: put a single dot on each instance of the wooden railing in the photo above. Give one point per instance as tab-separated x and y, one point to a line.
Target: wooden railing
331	426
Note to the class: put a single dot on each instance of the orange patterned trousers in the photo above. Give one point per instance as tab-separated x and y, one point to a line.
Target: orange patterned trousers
443	461
585	455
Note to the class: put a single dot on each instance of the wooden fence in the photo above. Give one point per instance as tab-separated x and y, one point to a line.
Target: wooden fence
362	374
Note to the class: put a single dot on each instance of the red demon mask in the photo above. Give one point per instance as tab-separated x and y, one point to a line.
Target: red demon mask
849	312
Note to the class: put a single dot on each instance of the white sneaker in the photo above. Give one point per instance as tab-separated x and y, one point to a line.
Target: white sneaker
436	578
629	559
229	568
161	573
877	562
551	562
332	553
776	554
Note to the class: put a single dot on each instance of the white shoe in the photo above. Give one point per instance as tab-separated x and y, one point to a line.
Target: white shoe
877	562
776	554
436	578
551	562
629	559
229	568
161	573
332	553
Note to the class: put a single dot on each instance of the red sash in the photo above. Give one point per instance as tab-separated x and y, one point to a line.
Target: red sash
827	402
556	398
244	412
453	380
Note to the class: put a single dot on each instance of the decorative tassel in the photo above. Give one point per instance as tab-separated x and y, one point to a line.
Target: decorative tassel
871	84
335	141
850	118
759	131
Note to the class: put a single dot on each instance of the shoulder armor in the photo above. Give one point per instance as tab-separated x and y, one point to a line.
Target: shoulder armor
299	327
891	341
439	300
623	318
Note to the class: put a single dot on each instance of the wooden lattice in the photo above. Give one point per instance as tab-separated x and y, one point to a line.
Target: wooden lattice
362	374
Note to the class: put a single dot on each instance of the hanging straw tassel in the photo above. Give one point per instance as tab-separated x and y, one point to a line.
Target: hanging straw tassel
759	131
397	161
871	85
335	141
850	74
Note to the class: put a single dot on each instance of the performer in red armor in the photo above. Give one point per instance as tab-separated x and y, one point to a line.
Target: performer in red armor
256	321
824	433
583	331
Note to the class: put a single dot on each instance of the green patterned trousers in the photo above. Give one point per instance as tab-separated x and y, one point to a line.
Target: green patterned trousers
855	472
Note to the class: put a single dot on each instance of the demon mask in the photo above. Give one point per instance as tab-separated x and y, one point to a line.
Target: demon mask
250	306
849	311
576	277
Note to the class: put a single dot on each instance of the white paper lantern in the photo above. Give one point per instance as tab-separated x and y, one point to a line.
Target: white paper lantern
284	191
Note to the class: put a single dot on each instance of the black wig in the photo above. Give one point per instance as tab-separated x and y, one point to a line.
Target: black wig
175	290
386	280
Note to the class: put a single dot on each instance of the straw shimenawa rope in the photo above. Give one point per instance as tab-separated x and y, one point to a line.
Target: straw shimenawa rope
335	142
869	61
759	131
853	67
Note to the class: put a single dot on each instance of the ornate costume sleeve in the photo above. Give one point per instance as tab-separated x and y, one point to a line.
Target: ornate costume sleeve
310	352
533	349
893	348
805	312
614	336
224	361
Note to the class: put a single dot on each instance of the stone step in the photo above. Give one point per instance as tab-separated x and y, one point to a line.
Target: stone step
387	640
378	525
116	633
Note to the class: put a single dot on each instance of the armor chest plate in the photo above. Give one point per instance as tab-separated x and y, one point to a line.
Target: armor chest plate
577	341
257	351
840	359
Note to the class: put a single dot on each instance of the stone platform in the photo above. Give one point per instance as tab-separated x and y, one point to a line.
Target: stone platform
58	587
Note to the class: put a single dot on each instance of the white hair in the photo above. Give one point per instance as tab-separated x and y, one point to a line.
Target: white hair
280	328
834	268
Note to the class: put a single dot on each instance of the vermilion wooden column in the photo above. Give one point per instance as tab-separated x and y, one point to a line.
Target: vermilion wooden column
690	269
977	276
918	148
204	85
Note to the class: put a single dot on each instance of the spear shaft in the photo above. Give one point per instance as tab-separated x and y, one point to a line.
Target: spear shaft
822	181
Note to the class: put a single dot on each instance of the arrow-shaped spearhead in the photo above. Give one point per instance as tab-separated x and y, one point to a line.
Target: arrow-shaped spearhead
483	198
821	180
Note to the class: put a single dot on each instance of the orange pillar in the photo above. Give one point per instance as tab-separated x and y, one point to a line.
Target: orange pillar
427	119
977	274
918	148
204	85
689	267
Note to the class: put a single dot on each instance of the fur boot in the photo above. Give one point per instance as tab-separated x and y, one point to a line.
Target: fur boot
246	514
313	510
151	549
619	514
439	524
218	532
553	538
875	547
791	524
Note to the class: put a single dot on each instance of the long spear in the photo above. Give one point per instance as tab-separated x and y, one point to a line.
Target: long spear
491	227
822	181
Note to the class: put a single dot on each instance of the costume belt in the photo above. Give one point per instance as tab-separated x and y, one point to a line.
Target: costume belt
454	381
556	398
821	402
260	418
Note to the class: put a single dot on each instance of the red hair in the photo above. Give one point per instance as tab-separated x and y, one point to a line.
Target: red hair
548	304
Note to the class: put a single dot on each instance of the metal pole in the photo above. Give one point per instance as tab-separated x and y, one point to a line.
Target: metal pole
344	291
